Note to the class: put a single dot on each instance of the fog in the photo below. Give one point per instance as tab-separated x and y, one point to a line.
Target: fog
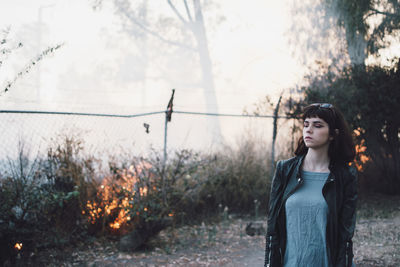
108	65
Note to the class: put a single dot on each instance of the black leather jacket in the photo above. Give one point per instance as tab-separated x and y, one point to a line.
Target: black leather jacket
340	193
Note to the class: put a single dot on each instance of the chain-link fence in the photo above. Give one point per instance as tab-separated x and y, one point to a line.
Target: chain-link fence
71	198
111	134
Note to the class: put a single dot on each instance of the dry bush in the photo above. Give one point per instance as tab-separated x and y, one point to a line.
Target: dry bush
40	200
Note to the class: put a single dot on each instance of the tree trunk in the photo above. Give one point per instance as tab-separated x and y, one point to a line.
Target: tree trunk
356	47
207	72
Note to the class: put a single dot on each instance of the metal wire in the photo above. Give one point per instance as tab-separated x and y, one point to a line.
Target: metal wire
81	113
140	114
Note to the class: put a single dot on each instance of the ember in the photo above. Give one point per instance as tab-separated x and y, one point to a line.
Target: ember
18	246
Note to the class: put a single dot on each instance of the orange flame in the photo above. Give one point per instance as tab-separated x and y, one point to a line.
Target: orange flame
360	153
18	246
109	197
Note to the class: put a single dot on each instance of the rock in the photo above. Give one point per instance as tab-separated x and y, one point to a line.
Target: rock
131	241
141	235
255	228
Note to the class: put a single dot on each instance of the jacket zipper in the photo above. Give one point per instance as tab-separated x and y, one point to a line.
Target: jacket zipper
269	253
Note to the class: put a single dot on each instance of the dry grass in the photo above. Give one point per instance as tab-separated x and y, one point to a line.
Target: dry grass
377	236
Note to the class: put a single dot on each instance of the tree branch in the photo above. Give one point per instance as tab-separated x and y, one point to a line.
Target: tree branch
28	68
5	50
376	11
177	13
188	11
151	32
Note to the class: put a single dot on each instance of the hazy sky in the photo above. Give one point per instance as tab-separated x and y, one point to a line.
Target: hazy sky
249	51
97	68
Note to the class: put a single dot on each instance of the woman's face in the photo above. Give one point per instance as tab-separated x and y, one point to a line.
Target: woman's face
316	133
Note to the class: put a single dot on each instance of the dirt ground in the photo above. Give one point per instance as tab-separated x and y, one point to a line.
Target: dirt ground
376	243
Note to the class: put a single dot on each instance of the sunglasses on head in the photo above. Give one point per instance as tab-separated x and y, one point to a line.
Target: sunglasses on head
322	105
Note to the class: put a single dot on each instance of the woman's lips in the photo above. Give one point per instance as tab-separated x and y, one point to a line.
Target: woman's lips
307	138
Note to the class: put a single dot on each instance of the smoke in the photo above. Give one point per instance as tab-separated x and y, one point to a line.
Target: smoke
108	64
314	36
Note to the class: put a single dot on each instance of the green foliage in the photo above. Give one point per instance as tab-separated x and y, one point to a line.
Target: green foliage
40	202
344	31
66	169
369	100
353	15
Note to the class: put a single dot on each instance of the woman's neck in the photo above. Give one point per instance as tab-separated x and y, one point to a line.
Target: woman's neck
316	161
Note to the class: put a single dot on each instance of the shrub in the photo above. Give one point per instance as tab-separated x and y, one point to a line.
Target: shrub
368	97
238	179
69	173
57	200
40	202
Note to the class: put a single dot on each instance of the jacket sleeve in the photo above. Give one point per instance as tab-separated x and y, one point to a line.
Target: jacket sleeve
347	221
271	237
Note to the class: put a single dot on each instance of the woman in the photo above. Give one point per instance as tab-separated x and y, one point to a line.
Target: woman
313	196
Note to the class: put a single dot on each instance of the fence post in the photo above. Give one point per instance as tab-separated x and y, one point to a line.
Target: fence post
168	116
165	140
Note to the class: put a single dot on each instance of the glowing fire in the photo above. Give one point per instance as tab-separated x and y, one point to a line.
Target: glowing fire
18	246
360	152
116	196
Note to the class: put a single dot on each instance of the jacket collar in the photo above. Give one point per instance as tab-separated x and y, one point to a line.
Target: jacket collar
300	160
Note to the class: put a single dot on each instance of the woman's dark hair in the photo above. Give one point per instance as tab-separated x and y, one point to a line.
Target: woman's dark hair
341	149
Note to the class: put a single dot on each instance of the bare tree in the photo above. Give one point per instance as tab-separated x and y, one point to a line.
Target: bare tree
185	32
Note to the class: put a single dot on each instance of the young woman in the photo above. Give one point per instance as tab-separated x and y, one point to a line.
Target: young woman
312	205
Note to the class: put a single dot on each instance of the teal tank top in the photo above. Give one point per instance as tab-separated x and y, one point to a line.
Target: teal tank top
306	218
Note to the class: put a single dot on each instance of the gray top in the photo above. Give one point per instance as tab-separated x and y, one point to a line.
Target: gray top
306	218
